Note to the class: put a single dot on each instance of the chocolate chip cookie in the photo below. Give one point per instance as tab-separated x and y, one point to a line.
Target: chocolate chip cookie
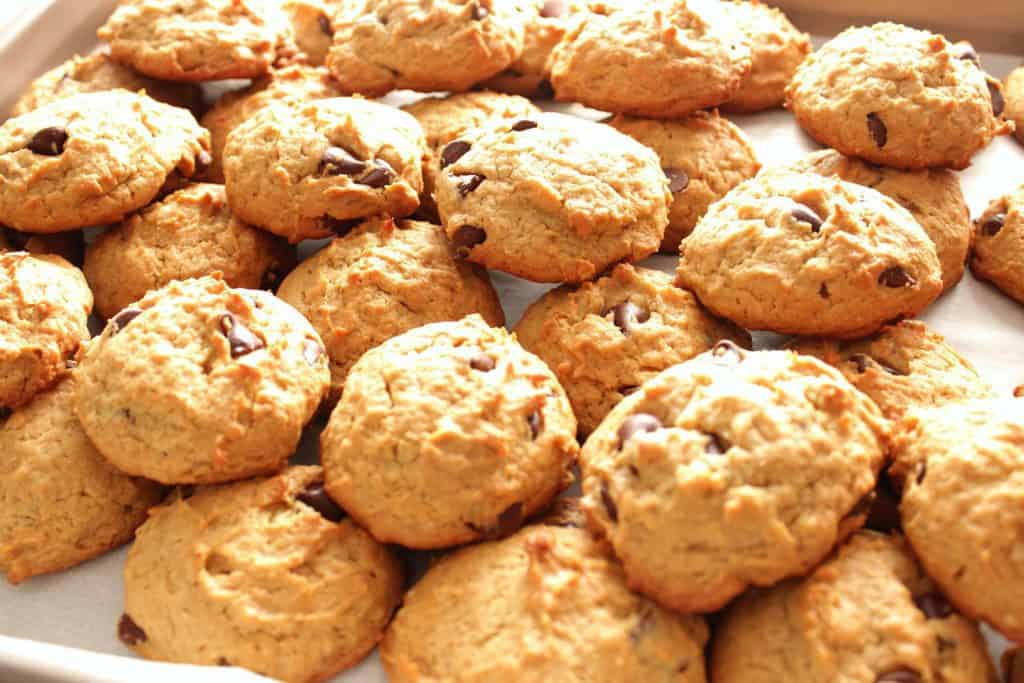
704	156
44	307
61	503
869	614
447	434
660	59
732	470
804	254
997	254
606	338
384	278
201	383
305	171
553	198
1014	93
897	96
557	589
93	158
267	574
190	233
430	46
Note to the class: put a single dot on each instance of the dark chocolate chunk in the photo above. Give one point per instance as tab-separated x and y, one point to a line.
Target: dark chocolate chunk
315	496
678	180
49	141
467	237
896	278
241	339
879	133
628	316
121	320
453	152
129	632
639	423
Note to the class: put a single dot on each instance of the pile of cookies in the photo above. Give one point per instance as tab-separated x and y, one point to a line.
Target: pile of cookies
846	508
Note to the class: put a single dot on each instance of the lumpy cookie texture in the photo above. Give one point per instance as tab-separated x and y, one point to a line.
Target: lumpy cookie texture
997	254
312	26
555	588
733	470
447	434
1014	90
266	574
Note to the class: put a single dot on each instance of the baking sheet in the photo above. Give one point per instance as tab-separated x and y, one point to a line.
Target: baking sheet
78	609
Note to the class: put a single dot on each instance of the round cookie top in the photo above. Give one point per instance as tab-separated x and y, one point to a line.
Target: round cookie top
384	278
704	156
61	503
962	468
818	629
188	234
553	198
98	72
660	59
312	27
932	196
265	574
607	337
557	590
1014	93
447	434
903	367
732	470
93	158
425	45
44	309
197	40
897	96
201	383
293	83
304	171
997	254
804	254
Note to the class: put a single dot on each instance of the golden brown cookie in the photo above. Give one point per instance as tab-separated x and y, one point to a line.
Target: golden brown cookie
1014	92
997	254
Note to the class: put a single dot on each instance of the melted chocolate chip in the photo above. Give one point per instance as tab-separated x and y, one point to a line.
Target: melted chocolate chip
381	175
896	278
628	315
467	237
241	339
879	133
805	214
468	183
337	161
325	25
315	496
121	320
536	422
49	141
933	605
992	226
899	676
129	632
312	352
639	423
553	9
482	362
524	124
479	12
995	91
716	445
677	179
609	505
453	152
726	352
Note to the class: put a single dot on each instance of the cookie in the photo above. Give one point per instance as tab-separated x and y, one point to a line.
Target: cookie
304	171
776	47
606	338
61	503
704	156
93	158
98	72
867	615
732	470
382	279
294	83
659	59
553	198
188	234
312	27
962	469
68	245
429	46
555	589
44	307
198	40
201	383
902	367
1014	94
932	196
896	96
447	434
266	574
997	254
804	254
444	119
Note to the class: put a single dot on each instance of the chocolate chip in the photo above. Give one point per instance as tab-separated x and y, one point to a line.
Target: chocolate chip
677	179
933	605
536	422
726	352
878	131
863	361
510	520
129	632
121	320
453	152
312	352
468	183
467	237
895	278
337	161
381	175
716	445
338	226
482	362
823	291
899	676
804	214
479	12
628	315
992	226
998	102
315	496
639	423
325	25
49	141
524	124
241	339
553	9
609	505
